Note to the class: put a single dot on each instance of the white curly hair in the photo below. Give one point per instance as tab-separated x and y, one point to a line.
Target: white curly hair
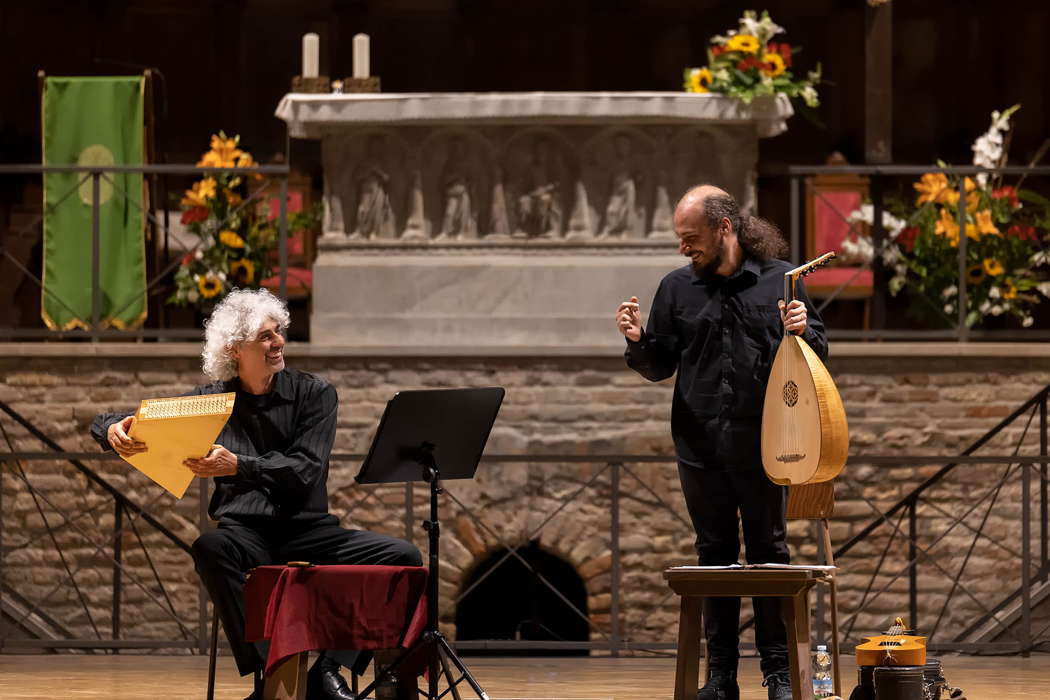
237	318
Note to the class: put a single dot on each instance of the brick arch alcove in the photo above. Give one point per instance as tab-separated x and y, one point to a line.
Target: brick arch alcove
506	598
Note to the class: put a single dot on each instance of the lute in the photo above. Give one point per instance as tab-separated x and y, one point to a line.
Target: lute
898	647
805	438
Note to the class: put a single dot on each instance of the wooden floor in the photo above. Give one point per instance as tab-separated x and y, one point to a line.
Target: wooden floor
128	677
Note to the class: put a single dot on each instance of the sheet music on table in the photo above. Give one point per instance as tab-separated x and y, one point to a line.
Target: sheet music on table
730	567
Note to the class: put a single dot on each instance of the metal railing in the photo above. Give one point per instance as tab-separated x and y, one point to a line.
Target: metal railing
880	178
99	174
919	522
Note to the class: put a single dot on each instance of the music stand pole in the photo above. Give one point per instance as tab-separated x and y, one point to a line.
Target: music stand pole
433	529
442	650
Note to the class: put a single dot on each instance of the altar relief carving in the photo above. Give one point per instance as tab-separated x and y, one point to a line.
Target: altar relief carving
507	184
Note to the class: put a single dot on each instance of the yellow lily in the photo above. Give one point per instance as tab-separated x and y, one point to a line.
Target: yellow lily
948	227
984	222
202	191
931	187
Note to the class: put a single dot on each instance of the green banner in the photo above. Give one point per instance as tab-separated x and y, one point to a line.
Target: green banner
93	122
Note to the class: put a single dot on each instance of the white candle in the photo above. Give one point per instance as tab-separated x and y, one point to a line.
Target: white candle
311	54
361	66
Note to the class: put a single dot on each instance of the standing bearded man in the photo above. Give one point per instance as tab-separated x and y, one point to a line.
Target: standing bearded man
716	323
270	469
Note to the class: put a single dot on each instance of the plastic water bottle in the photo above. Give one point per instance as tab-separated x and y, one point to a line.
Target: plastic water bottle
822	685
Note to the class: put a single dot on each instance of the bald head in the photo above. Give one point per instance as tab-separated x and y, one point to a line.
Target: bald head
690	207
706	221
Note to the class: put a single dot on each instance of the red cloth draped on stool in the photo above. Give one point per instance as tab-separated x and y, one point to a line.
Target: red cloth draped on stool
334	607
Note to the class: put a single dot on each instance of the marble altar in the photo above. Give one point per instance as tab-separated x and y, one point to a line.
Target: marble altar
509	221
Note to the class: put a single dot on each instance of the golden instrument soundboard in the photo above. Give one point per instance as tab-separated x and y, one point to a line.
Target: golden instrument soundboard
174	430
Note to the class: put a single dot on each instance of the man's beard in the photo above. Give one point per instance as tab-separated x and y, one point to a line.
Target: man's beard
709	264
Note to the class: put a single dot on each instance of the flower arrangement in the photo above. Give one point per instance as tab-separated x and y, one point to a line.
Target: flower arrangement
1006	229
747	63
235	242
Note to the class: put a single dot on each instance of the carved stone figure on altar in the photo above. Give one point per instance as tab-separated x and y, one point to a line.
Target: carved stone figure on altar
538	188
622	216
460	219
375	214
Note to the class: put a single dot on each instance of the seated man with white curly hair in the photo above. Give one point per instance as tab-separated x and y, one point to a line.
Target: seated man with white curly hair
270	469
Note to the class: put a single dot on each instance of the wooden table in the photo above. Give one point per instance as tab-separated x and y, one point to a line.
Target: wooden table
694	584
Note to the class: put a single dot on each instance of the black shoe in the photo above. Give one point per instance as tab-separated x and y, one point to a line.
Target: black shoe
778	685
323	682
720	686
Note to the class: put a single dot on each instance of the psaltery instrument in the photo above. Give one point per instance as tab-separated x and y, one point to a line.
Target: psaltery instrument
174	430
805	437
898	647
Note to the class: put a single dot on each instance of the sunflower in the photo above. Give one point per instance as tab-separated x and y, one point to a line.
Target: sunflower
743	42
243	271
992	266
1009	291
200	194
699	80
209	286
984	222
774	64
975	274
231	239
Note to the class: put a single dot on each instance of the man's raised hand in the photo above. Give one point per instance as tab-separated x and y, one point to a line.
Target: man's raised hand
629	319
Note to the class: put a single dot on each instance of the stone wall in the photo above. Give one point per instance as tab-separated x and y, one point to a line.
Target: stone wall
897	403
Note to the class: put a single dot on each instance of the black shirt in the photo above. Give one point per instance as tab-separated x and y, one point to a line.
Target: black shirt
282	440
720	334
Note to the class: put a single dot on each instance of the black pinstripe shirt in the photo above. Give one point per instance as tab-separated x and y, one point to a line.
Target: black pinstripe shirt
282	440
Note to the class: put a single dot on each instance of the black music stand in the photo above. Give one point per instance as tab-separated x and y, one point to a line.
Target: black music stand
419	431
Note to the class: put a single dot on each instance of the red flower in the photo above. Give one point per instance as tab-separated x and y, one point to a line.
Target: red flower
784	49
750	62
906	238
1024	232
718	50
1007	192
191	216
186	259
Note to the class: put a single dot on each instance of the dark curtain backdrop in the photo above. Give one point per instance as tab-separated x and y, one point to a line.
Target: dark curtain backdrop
226	63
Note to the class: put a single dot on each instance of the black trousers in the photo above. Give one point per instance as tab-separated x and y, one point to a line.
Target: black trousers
713	498
224	555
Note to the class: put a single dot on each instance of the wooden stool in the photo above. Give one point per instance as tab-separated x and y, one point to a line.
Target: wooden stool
694	584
